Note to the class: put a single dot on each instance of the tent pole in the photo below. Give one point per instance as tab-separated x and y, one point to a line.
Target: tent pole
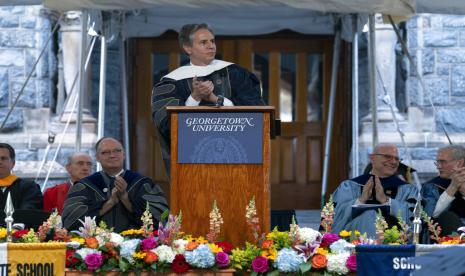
124	95
103	77
82	79
372	77
330	118
355	111
102	91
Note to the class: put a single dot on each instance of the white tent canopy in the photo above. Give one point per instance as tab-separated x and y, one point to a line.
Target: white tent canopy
392	7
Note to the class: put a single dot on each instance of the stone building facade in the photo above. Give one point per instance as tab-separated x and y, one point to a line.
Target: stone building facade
437	45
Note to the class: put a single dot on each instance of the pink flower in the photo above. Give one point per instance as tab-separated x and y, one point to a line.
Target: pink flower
93	261
222	259
351	263
260	264
328	239
148	243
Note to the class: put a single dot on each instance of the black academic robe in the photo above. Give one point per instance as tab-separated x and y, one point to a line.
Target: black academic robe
233	82
25	195
87	196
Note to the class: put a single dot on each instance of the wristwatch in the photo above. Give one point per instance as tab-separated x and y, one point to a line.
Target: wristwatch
220	100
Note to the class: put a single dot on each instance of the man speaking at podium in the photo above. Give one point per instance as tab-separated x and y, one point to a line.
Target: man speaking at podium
205	81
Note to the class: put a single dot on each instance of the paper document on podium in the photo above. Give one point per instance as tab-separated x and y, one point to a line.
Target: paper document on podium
357	209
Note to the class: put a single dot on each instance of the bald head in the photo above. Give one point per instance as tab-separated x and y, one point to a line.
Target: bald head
385	159
79	166
110	154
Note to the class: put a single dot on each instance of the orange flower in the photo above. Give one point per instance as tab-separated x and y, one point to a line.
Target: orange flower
319	261
92	243
270	254
191	246
150	257
267	244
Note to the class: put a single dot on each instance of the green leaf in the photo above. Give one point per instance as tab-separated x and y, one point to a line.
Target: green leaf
164	215
273	273
304	267
254	274
124	266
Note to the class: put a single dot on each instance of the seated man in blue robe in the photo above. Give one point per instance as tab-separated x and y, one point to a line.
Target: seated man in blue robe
114	195
205	81
381	186
444	195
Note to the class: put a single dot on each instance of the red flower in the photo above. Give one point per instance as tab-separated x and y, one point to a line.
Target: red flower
179	264
227	247
70	259
18	234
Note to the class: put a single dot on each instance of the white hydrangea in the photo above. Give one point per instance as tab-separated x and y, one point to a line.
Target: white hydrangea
165	253
340	246
73	244
308	235
83	252
179	246
116	238
101	240
337	263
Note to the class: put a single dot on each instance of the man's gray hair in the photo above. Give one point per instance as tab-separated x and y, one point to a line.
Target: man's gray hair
458	151
186	34
70	158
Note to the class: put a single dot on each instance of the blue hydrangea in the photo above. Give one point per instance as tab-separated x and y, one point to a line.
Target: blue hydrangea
288	260
128	248
340	246
201	257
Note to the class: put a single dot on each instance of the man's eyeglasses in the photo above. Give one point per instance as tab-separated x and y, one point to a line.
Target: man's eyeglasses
388	157
113	151
438	163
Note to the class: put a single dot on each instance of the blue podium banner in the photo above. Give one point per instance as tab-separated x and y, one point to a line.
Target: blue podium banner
220	138
386	260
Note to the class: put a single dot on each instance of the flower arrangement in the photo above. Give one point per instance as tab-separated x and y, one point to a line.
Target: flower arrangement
297	251
50	231
435	232
300	250
98	249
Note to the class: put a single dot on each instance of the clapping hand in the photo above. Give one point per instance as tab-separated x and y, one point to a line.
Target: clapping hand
120	186
366	191
201	90
380	195
458	182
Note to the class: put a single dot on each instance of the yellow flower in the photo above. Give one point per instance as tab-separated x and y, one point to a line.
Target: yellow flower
357	233
139	255
2	233
199	240
451	242
215	248
132	232
322	251
344	234
270	254
81	241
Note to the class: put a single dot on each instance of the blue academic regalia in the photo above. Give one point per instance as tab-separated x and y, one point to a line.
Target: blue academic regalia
432	190
403	198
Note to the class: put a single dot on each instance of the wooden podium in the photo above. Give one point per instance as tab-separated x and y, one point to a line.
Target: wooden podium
195	186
